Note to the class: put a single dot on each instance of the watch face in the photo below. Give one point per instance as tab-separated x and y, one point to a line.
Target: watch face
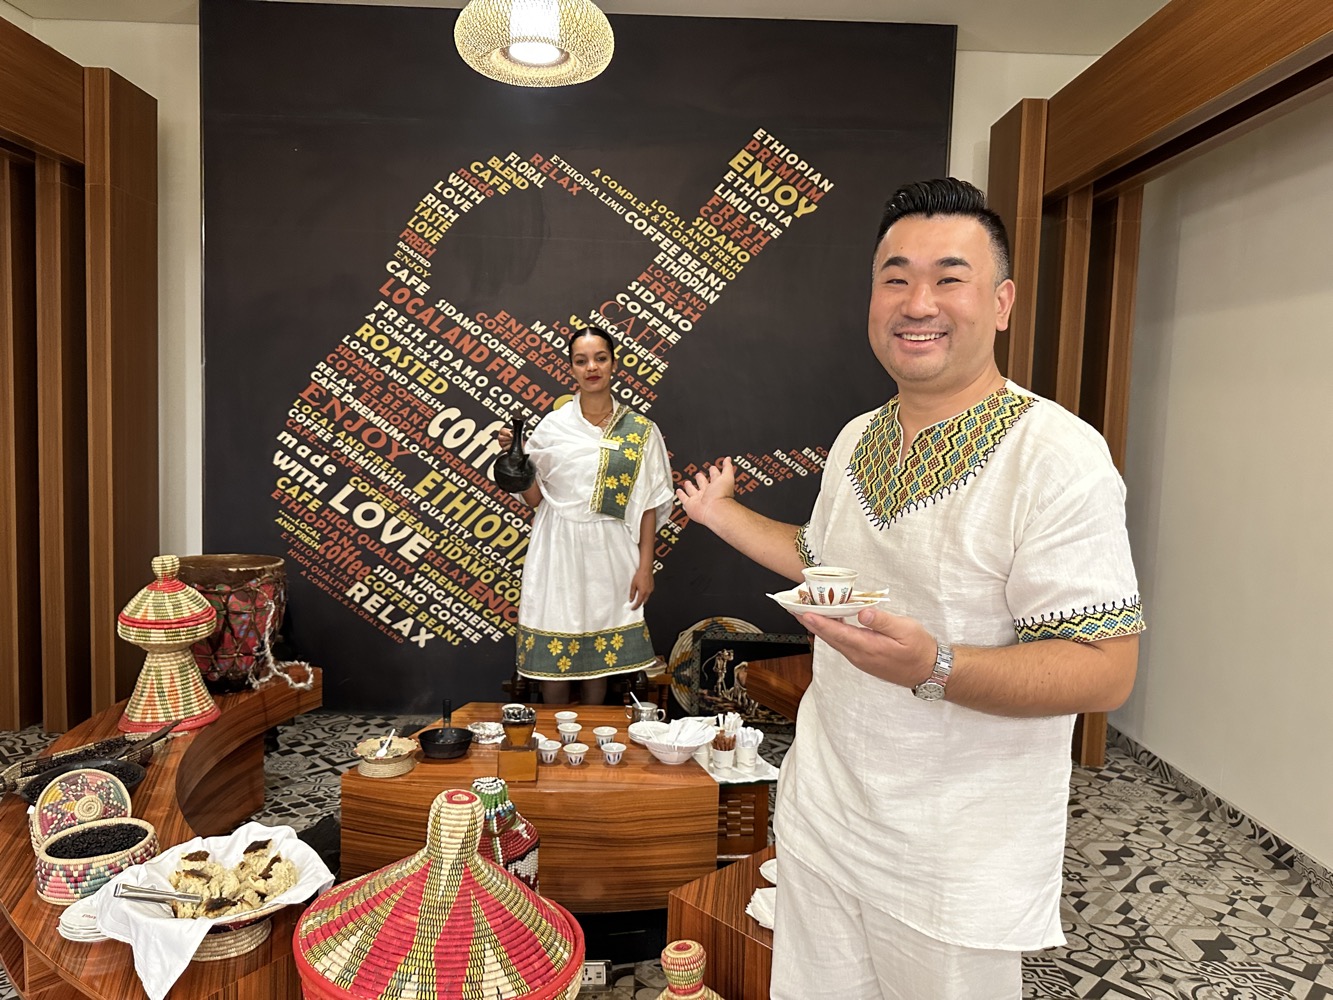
929	691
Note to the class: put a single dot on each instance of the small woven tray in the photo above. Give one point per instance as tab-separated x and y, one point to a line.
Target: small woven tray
218	945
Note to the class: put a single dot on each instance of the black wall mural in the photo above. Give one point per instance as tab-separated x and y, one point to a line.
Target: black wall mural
396	248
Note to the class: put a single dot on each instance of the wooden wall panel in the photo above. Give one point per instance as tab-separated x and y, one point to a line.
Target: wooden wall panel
1189	63
62	388
1075	234
41	96
1014	189
121	211
1120	323
20	608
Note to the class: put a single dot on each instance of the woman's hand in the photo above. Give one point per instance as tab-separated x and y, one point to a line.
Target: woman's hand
640	588
504	437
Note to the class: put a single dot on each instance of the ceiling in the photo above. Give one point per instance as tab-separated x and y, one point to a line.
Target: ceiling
1076	27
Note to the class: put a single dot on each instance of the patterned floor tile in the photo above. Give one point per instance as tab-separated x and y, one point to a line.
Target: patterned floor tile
1163	900
1043	979
1227	981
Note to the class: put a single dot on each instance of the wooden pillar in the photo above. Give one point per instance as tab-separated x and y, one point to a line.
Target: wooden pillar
62	394
1013	189
120	140
20	610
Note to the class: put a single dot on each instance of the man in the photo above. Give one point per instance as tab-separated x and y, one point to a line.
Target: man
921	810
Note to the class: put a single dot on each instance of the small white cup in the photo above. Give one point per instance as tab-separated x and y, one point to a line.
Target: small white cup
829	584
574	753
548	750
604	734
704	754
747	757
563	717
724	758
612	752
569	731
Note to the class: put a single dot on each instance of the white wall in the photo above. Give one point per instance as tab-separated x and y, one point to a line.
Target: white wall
163	59
988	84
1228	470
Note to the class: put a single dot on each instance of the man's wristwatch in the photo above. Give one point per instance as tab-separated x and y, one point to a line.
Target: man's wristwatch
932	688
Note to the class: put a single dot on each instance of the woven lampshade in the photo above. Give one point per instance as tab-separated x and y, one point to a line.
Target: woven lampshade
443	923
535	43
166	618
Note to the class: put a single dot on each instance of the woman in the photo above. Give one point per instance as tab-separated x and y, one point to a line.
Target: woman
603	489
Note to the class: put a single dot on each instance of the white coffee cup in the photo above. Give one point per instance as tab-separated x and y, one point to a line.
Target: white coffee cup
604	734
574	753
829	584
548	750
569	731
612	752
565	717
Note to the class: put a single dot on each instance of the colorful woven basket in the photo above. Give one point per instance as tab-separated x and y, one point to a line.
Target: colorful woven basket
64	880
166	618
507	839
683	965
443	923
81	796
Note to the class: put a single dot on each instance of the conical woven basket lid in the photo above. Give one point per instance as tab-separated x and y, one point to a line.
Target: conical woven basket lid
442	923
167	611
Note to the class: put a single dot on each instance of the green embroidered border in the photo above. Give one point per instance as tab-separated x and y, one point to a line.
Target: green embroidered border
803	545
619	467
1089	625
560	655
942	458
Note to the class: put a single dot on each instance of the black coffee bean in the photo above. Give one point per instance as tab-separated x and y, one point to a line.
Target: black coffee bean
96	841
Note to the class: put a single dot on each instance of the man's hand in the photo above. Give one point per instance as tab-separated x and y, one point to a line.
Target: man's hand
640	588
504	437
891	647
701	497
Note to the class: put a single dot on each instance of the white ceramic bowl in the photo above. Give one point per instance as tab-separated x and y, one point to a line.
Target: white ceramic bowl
671	754
641	732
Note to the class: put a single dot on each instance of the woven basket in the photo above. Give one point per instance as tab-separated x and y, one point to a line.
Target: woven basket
402	757
221	944
64	880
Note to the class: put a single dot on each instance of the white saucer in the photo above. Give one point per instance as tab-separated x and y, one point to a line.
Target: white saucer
791	600
769	869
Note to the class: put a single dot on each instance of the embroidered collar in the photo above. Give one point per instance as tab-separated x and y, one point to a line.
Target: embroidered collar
943	458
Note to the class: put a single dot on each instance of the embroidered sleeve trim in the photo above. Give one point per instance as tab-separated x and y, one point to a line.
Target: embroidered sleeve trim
1090	624
943	459
803	545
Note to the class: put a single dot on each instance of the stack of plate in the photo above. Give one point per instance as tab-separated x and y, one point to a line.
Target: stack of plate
78	921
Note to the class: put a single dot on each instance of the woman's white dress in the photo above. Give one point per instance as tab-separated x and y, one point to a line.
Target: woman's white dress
574	616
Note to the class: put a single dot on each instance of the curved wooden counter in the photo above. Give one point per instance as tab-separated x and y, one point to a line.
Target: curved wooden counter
202	783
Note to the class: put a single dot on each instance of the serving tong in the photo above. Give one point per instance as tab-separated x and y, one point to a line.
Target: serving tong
150	895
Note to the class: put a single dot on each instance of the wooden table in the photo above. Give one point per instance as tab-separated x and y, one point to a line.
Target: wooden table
612	838
711	910
205	782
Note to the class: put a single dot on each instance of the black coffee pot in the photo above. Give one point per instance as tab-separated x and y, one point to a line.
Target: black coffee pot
514	471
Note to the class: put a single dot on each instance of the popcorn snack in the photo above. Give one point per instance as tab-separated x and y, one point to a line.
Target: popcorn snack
259	878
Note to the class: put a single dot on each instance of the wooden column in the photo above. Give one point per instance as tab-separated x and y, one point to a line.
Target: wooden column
62	393
1075	225
20	610
120	140
1013	188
